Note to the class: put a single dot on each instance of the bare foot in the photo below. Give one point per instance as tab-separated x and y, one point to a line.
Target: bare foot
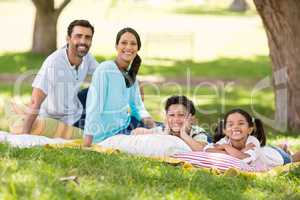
296	157
285	147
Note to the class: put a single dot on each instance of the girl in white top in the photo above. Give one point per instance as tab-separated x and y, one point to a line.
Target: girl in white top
243	137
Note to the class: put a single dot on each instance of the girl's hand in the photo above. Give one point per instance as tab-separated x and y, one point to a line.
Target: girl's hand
248	147
186	128
221	146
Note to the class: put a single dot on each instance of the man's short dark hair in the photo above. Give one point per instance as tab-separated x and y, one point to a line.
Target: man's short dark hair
80	22
182	100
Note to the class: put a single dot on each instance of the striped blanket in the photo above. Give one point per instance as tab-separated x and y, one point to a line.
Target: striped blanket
213	160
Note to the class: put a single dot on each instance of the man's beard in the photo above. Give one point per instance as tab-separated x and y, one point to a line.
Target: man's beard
81	53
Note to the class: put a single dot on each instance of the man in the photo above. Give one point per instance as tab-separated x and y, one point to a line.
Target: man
56	86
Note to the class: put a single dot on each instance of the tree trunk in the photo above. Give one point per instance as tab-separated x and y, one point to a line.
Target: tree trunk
45	30
44	36
239	6
281	20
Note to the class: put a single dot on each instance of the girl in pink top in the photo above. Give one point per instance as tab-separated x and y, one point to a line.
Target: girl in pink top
243	137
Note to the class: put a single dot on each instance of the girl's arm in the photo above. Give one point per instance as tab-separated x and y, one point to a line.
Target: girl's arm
193	144
235	152
216	148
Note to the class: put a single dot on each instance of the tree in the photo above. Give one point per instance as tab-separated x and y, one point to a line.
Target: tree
239	6
45	30
281	22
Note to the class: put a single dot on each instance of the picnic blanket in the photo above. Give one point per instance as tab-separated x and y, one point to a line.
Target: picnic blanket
25	141
174	151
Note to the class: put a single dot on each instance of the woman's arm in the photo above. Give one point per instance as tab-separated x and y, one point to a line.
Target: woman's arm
137	107
141	131
96	98
88	140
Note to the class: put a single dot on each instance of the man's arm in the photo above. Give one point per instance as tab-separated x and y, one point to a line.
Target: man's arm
32	112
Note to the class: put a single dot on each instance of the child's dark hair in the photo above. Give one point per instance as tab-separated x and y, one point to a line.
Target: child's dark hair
80	22
258	130
182	100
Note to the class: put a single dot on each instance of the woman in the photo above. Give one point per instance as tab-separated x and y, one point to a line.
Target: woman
114	104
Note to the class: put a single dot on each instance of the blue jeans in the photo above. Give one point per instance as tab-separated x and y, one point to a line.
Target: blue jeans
82	98
285	156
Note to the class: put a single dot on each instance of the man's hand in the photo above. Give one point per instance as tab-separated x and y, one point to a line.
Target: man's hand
32	112
88	140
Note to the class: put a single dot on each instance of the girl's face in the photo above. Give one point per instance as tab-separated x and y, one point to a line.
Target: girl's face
237	127
127	47
175	117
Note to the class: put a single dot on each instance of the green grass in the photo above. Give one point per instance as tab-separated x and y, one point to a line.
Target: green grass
17	63
242	69
35	174
212	10
223	68
212	103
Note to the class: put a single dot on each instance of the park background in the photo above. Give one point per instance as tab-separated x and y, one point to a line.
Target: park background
200	49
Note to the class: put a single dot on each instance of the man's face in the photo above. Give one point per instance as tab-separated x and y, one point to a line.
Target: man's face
80	40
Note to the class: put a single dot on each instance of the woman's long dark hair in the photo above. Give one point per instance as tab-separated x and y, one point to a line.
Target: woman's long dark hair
130	76
258	129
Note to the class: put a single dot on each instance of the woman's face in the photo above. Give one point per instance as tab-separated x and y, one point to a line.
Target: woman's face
237	127
127	47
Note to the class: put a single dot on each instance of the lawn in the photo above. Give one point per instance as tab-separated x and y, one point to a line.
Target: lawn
35	174
253	68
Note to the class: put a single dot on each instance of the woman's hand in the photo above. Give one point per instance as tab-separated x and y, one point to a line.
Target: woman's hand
141	131
88	140
149	122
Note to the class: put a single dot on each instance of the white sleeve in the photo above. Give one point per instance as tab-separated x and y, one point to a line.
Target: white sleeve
200	138
45	77
253	153
224	140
